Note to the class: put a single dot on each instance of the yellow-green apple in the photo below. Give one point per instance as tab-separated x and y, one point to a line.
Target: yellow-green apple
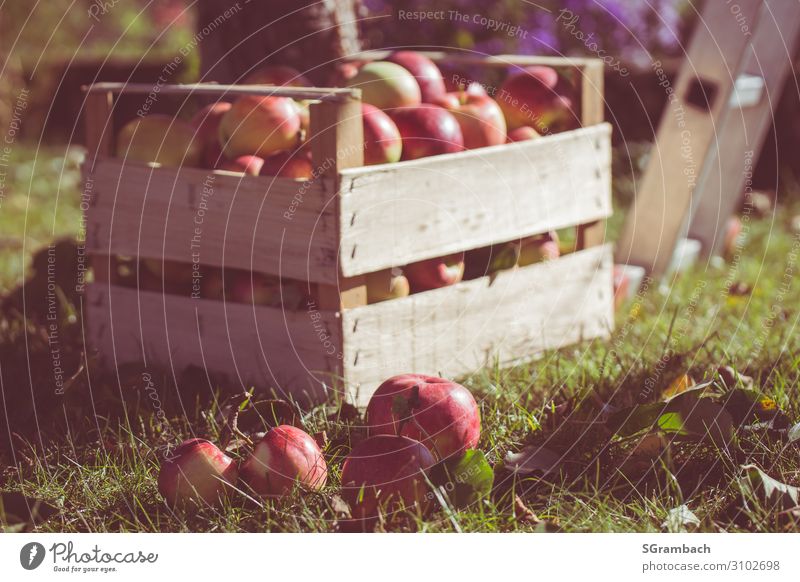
248	165
197	471
277	75
387	284
252	288
160	139
386	85
523	133
539	248
435	273
206	125
427	130
428	76
439	413
537	96
295	164
382	141
285	458
259	126
481	121
385	474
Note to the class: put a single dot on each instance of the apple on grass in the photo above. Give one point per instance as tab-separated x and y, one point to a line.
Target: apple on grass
198	472
159	139
259	126
382	141
427	74
435	273
385	474
427	130
206	124
386	85
479	116
441	414
285	458
386	284
539	97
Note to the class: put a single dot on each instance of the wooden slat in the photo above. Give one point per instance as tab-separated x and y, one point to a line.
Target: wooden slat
291	351
277	226
400	213
99	127
467	59
457	330
332	95
658	216
592	91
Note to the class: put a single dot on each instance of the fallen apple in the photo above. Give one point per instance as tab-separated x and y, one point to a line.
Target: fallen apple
427	130
523	133
382	141
159	139
539	97
428	76
197	471
206	124
295	164
259	126
386	85
439	413
385	474
248	165
435	273
285	458
480	118
387	284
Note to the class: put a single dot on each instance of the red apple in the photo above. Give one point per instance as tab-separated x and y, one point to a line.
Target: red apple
539	97
259	126
427	130
457	82
387	284
439	413
206	124
343	72
435	273
480	118
277	75
197	471
384	474
284	458
252	288
249	165
539	248
382	141
386	85
523	133
160	139
425	71
296	165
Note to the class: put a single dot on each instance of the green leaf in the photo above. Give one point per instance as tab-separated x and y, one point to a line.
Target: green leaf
629	421
680	519
533	459
770	493
466	478
700	420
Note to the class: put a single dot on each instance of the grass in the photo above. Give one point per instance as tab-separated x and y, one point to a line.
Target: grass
91	456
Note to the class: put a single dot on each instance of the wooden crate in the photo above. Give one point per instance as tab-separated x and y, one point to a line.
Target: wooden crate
334	230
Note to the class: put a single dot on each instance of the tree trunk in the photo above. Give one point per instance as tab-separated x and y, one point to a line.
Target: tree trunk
236	37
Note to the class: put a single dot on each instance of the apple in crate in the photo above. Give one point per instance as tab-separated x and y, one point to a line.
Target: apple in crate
480	118
206	124
197	471
439	413
428	76
160	139
248	165
523	133
539	248
457	81
387	284
295	164
259	126
382	141
384	474
386	85
538	97
435	273
427	130
286	457
278	75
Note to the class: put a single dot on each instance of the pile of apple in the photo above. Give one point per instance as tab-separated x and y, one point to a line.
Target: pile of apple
409	111
413	421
